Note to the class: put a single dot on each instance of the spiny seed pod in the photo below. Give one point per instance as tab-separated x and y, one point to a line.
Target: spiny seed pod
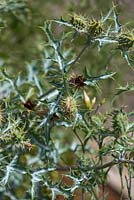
77	81
69	106
125	41
94	27
79	22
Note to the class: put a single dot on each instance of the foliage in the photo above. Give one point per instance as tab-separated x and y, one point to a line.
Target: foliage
49	115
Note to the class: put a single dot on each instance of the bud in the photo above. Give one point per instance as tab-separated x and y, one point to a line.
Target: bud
88	103
87	100
93	101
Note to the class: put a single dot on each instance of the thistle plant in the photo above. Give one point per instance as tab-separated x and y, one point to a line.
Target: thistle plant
49	116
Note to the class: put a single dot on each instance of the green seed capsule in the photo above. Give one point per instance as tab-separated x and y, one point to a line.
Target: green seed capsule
79	23
125	41
94	27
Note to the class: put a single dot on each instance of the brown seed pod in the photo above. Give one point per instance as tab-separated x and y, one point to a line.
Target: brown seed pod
77	81
29	105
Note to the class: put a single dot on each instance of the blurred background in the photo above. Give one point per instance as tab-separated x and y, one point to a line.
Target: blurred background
22	40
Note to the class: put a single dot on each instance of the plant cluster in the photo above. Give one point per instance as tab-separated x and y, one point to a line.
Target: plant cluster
49	117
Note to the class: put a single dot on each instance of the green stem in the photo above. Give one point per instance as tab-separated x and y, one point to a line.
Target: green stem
99	167
81	142
95	195
121	178
83	194
80	53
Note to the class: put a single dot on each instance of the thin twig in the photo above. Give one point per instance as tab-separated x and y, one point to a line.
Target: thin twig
83	194
95	195
80	53
81	142
106	165
115	162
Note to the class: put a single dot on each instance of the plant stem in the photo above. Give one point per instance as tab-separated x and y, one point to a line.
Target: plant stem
95	195
83	194
81	142
99	167
80	53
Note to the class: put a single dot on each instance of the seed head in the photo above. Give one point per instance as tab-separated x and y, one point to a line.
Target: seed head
77	81
125	41
94	27
69	106
79	22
